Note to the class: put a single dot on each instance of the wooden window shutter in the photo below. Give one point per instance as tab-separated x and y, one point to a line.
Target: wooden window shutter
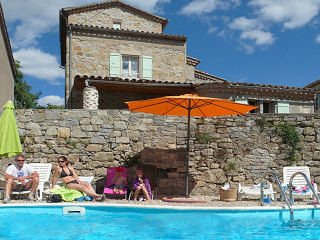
147	67
283	107
115	64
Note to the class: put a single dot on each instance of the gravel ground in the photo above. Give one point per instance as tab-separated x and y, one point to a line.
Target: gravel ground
212	201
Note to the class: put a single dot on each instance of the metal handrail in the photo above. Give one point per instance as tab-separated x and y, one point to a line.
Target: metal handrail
281	190
308	182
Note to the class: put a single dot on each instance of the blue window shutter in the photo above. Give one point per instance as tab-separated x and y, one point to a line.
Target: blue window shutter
147	67
115	64
283	107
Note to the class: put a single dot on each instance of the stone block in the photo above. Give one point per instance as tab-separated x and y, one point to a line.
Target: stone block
104	156
62	150
78	133
137	147
93	148
122	140
309	131
38	117
165	183
73	158
52	115
120	126
51	131
173	175
97	140
96	120
84	121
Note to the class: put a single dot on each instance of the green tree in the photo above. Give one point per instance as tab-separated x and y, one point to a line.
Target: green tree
23	97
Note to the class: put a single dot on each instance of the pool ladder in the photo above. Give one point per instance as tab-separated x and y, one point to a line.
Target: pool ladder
284	195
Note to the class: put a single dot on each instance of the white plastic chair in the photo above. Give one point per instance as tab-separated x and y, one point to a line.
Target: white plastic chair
44	171
252	190
86	179
299	180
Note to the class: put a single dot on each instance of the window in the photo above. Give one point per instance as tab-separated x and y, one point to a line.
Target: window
130	67
241	100
116	25
266	107
283	107
252	103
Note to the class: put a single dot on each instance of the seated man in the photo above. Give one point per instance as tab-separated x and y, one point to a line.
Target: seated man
21	177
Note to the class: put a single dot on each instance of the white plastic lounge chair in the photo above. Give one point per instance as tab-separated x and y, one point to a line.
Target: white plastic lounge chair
86	179
44	170
255	190
299	180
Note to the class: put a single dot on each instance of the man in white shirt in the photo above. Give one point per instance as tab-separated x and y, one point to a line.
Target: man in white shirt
21	177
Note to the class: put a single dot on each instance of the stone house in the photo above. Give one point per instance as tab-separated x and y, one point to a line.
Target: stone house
316	86
124	53
7	67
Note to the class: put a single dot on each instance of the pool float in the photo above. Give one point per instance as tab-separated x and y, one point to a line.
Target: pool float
183	200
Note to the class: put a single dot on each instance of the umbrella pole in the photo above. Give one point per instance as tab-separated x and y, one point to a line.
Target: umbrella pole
187	155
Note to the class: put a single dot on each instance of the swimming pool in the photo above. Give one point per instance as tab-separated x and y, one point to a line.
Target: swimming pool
149	223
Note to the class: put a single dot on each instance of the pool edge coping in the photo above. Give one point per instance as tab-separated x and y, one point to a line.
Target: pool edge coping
237	208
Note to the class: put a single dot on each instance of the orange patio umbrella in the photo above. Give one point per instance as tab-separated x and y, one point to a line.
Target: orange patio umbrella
189	105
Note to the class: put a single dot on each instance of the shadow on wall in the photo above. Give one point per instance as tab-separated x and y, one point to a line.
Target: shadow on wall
171	170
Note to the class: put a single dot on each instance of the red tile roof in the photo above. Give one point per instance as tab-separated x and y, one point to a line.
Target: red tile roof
310	85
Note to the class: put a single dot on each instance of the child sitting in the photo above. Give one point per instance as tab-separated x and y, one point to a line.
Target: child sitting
141	183
120	182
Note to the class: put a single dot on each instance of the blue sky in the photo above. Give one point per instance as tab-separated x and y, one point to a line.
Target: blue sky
273	42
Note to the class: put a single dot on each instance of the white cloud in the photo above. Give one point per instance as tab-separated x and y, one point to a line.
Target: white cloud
37	17
252	30
292	14
259	37
244	24
318	38
199	7
52	100
266	13
148	5
40	65
33	18
256	30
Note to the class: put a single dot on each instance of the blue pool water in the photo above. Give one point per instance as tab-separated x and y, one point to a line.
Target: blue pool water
141	223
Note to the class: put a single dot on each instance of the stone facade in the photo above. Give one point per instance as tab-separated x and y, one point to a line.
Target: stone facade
91	55
106	17
234	148
94	39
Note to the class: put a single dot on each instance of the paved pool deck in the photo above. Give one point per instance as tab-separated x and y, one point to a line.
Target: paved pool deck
213	202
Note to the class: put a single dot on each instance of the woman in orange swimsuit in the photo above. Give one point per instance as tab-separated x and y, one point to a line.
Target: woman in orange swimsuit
70	178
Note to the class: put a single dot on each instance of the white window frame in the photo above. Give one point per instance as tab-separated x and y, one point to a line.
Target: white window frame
283	107
130	58
241	100
116	25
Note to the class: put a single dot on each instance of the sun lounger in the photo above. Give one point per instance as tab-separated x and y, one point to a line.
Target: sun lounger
108	190
299	181
255	190
44	171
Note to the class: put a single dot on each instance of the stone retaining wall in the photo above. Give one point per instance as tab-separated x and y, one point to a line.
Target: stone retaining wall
234	148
